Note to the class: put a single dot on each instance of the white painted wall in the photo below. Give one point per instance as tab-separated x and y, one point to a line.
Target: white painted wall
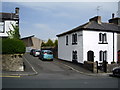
87	40
65	51
91	40
7	25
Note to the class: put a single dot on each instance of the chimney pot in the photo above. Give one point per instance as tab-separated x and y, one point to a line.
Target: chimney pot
96	19
17	11
113	15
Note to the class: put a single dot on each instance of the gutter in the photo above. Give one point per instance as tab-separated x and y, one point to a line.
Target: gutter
113	46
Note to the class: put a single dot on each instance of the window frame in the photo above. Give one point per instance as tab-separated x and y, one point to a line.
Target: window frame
103	38
74	38
103	55
67	40
74	55
3	25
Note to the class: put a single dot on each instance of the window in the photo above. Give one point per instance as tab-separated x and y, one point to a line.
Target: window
66	40
100	37
74	54
74	38
1	27
103	38
103	55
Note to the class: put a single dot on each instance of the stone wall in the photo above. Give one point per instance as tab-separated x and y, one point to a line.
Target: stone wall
12	62
111	66
92	66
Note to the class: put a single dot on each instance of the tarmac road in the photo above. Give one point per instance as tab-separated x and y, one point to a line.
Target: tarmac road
57	74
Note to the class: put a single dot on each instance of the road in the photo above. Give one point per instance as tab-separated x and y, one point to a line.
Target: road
55	74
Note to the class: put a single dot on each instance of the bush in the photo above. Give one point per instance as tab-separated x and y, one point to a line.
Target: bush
13	46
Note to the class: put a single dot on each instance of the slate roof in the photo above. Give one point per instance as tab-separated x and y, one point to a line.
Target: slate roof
94	26
8	16
28	37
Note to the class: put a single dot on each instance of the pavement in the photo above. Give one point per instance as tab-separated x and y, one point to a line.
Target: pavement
29	70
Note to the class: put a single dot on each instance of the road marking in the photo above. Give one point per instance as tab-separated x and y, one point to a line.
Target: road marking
30	65
71	68
9	76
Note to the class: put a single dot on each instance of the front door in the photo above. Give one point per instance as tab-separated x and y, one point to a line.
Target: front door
90	56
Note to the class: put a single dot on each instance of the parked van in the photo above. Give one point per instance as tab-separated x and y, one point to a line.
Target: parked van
46	55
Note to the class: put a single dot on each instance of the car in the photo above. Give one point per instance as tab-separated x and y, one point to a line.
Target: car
31	52
116	71
36	53
46	55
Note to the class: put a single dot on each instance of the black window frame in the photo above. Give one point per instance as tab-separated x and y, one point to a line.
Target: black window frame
67	40
103	38
74	39
103	55
74	55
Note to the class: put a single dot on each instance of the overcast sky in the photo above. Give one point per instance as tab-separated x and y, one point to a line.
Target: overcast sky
47	19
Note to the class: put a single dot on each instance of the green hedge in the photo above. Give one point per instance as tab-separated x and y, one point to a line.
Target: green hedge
13	46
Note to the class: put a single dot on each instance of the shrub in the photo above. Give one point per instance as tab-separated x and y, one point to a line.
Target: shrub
12	46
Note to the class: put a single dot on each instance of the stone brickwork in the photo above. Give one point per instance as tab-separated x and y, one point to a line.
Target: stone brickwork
111	66
92	66
12	62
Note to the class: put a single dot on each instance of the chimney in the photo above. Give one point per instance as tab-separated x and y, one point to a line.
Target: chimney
115	20
17	11
96	19
113	15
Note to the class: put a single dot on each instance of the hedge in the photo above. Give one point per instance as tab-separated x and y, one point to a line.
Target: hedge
12	46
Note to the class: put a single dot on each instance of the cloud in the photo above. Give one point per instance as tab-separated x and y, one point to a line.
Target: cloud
44	31
66	9
44	27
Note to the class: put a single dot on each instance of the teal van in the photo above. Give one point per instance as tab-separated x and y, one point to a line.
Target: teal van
46	55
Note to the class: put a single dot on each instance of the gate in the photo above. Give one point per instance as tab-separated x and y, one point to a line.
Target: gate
118	56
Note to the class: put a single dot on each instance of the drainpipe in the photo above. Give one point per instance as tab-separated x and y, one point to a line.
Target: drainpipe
113	46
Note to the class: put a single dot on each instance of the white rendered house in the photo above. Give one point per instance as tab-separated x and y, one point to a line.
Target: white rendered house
6	21
93	41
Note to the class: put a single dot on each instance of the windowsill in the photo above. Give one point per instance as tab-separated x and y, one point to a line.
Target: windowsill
103	43
74	43
2	32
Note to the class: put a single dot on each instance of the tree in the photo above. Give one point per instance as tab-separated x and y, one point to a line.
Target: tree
49	43
56	43
43	44
14	33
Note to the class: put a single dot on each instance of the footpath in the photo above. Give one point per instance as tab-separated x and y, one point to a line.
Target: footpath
80	69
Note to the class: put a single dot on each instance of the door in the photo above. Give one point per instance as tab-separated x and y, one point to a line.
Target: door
90	56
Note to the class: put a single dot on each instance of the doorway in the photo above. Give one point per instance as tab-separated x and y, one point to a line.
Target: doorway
90	56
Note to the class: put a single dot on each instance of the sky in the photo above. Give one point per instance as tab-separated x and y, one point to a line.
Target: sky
47	19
